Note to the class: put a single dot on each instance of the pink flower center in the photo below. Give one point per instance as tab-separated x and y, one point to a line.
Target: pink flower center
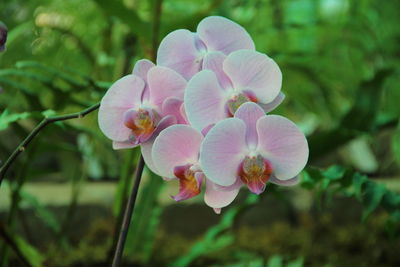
255	171
236	101
143	122
189	185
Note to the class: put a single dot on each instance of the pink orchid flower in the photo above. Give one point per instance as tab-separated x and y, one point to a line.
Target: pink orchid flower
176	156
183	50
253	148
229	81
139	105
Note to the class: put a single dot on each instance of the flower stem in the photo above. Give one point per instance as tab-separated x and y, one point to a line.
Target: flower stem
128	215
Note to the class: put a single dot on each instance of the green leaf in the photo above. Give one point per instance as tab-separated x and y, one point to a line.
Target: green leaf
125	15
214	239
396	144
339	180
299	262
275	261
41	211
6	118
360	118
373	197
32	255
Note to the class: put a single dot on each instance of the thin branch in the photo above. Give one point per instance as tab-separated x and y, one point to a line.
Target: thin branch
46	121
128	215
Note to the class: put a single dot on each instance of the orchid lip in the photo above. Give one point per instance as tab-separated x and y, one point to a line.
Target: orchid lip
142	122
255	172
189	181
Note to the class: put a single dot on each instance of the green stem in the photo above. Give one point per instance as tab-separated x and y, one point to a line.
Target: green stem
128	215
46	121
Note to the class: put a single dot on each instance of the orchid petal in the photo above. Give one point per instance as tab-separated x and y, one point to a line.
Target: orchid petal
214	61
141	69
250	112
178	51
176	146
189	186
255	72
222	34
123	95
146	149
237	185
292	181
163	83
275	103
283	144
164	123
218	199
204	100
173	106
123	145
147	146
217	210
222	151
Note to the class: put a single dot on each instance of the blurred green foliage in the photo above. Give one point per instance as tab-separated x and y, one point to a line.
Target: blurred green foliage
340	61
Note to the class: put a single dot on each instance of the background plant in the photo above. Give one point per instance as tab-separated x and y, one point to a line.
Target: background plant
340	61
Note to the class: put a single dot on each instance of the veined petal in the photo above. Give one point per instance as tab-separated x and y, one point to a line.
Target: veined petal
123	145
274	104
177	145
173	106
164	123
204	100
178	51
222	151
218	199
164	83
255	72
122	95
222	34
292	181
140	69
250	113
145	149
214	61
237	185
147	146
283	144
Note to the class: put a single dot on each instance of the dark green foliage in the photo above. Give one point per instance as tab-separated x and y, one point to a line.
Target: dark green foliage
340	61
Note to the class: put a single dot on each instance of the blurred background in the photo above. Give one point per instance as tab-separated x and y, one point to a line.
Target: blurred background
62	199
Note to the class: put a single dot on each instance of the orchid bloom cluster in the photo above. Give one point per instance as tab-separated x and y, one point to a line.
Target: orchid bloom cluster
199	115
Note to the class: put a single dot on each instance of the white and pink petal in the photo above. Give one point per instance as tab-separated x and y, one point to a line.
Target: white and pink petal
177	145
178	51
123	95
282	143
164	83
218	199
221	34
254	72
222	151
204	100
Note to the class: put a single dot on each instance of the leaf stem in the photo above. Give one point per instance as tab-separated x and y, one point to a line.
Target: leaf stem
46	121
